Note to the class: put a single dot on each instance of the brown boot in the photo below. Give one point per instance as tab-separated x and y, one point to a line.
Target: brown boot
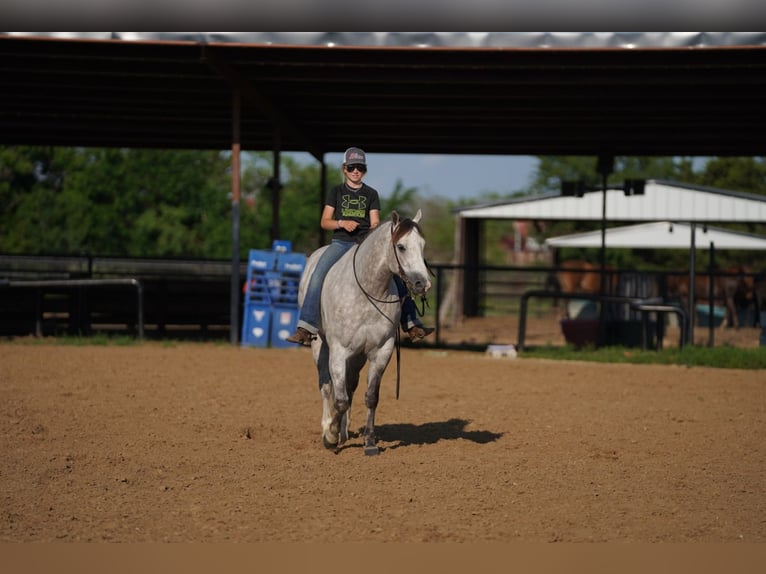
302	337
417	332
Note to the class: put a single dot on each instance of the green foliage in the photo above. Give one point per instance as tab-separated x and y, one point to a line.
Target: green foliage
300	199
553	170
438	223
145	203
438	226
403	200
110	201
745	174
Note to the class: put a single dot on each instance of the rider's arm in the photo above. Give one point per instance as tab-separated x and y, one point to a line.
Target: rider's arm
328	220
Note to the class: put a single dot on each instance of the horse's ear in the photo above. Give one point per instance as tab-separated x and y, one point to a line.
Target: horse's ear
416	219
394	218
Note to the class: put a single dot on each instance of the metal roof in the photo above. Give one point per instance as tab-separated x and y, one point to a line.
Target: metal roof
662	235
477	93
661	201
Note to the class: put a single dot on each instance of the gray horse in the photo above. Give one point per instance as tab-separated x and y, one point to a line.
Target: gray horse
360	310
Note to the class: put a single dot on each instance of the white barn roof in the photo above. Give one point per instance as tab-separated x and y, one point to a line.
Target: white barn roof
661	201
662	235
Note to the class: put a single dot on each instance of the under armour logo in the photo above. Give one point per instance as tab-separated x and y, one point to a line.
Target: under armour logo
350	202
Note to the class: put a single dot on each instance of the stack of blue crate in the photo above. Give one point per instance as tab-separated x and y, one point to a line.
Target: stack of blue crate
256	322
271	295
290	267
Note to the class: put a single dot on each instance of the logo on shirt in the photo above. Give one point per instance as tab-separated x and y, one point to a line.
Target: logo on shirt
353	206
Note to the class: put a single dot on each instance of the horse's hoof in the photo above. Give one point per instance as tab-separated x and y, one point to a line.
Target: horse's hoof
371	450
329	445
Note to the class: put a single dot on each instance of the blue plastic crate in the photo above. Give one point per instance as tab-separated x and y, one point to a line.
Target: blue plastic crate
291	263
260	261
283	323
282	246
257	289
256	325
274	285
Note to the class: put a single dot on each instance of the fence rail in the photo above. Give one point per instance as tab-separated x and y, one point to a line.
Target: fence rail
194	296
74	283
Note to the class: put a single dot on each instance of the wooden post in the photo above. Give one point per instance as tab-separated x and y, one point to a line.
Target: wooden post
235	195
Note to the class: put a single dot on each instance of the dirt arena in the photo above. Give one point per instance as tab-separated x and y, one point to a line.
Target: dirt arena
192	442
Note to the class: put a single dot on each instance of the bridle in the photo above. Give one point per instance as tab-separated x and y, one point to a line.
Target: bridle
408	283
374	300
402	275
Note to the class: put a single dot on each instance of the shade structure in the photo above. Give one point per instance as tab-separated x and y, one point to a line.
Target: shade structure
476	93
473	93
661	201
662	235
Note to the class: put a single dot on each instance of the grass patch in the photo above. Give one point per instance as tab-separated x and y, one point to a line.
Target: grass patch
724	357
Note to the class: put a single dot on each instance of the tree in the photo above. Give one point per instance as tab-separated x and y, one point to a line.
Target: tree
747	174
111	201
36	206
177	198
300	201
403	200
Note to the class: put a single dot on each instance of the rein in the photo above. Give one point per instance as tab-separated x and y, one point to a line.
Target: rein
374	300
402	275
408	283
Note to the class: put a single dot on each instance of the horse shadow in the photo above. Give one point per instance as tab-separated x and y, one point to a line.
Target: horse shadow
406	434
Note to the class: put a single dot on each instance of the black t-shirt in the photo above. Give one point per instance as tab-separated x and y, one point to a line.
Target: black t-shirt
353	204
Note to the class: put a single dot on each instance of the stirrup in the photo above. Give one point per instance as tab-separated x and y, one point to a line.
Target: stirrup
418	332
301	337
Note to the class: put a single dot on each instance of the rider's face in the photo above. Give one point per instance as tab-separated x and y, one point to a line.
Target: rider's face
354	172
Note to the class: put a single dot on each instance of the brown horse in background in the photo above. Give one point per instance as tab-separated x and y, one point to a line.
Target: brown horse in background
736	287
580	276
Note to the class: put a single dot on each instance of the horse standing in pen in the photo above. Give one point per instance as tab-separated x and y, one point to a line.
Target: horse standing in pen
360	311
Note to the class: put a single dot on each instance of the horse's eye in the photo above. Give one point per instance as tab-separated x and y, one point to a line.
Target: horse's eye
401	247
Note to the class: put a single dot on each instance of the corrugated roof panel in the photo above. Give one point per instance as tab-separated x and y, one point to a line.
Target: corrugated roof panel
661	235
550	40
661	201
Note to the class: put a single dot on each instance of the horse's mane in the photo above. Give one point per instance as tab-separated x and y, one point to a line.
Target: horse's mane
405	226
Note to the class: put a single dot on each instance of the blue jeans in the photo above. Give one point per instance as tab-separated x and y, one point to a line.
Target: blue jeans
309	315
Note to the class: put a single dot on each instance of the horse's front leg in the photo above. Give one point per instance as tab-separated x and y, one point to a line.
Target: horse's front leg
371	401
340	403
354	366
328	409
334	418
375	372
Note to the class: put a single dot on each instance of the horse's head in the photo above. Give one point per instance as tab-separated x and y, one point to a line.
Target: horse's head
409	244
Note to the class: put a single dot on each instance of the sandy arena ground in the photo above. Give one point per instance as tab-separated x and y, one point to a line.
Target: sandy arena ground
210	443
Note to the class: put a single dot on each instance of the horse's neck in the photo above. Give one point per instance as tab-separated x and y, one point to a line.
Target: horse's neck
371	262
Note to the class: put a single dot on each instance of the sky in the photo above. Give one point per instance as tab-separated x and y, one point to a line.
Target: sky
450	176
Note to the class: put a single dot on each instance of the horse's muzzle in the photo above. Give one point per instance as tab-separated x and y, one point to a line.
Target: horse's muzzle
420	286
